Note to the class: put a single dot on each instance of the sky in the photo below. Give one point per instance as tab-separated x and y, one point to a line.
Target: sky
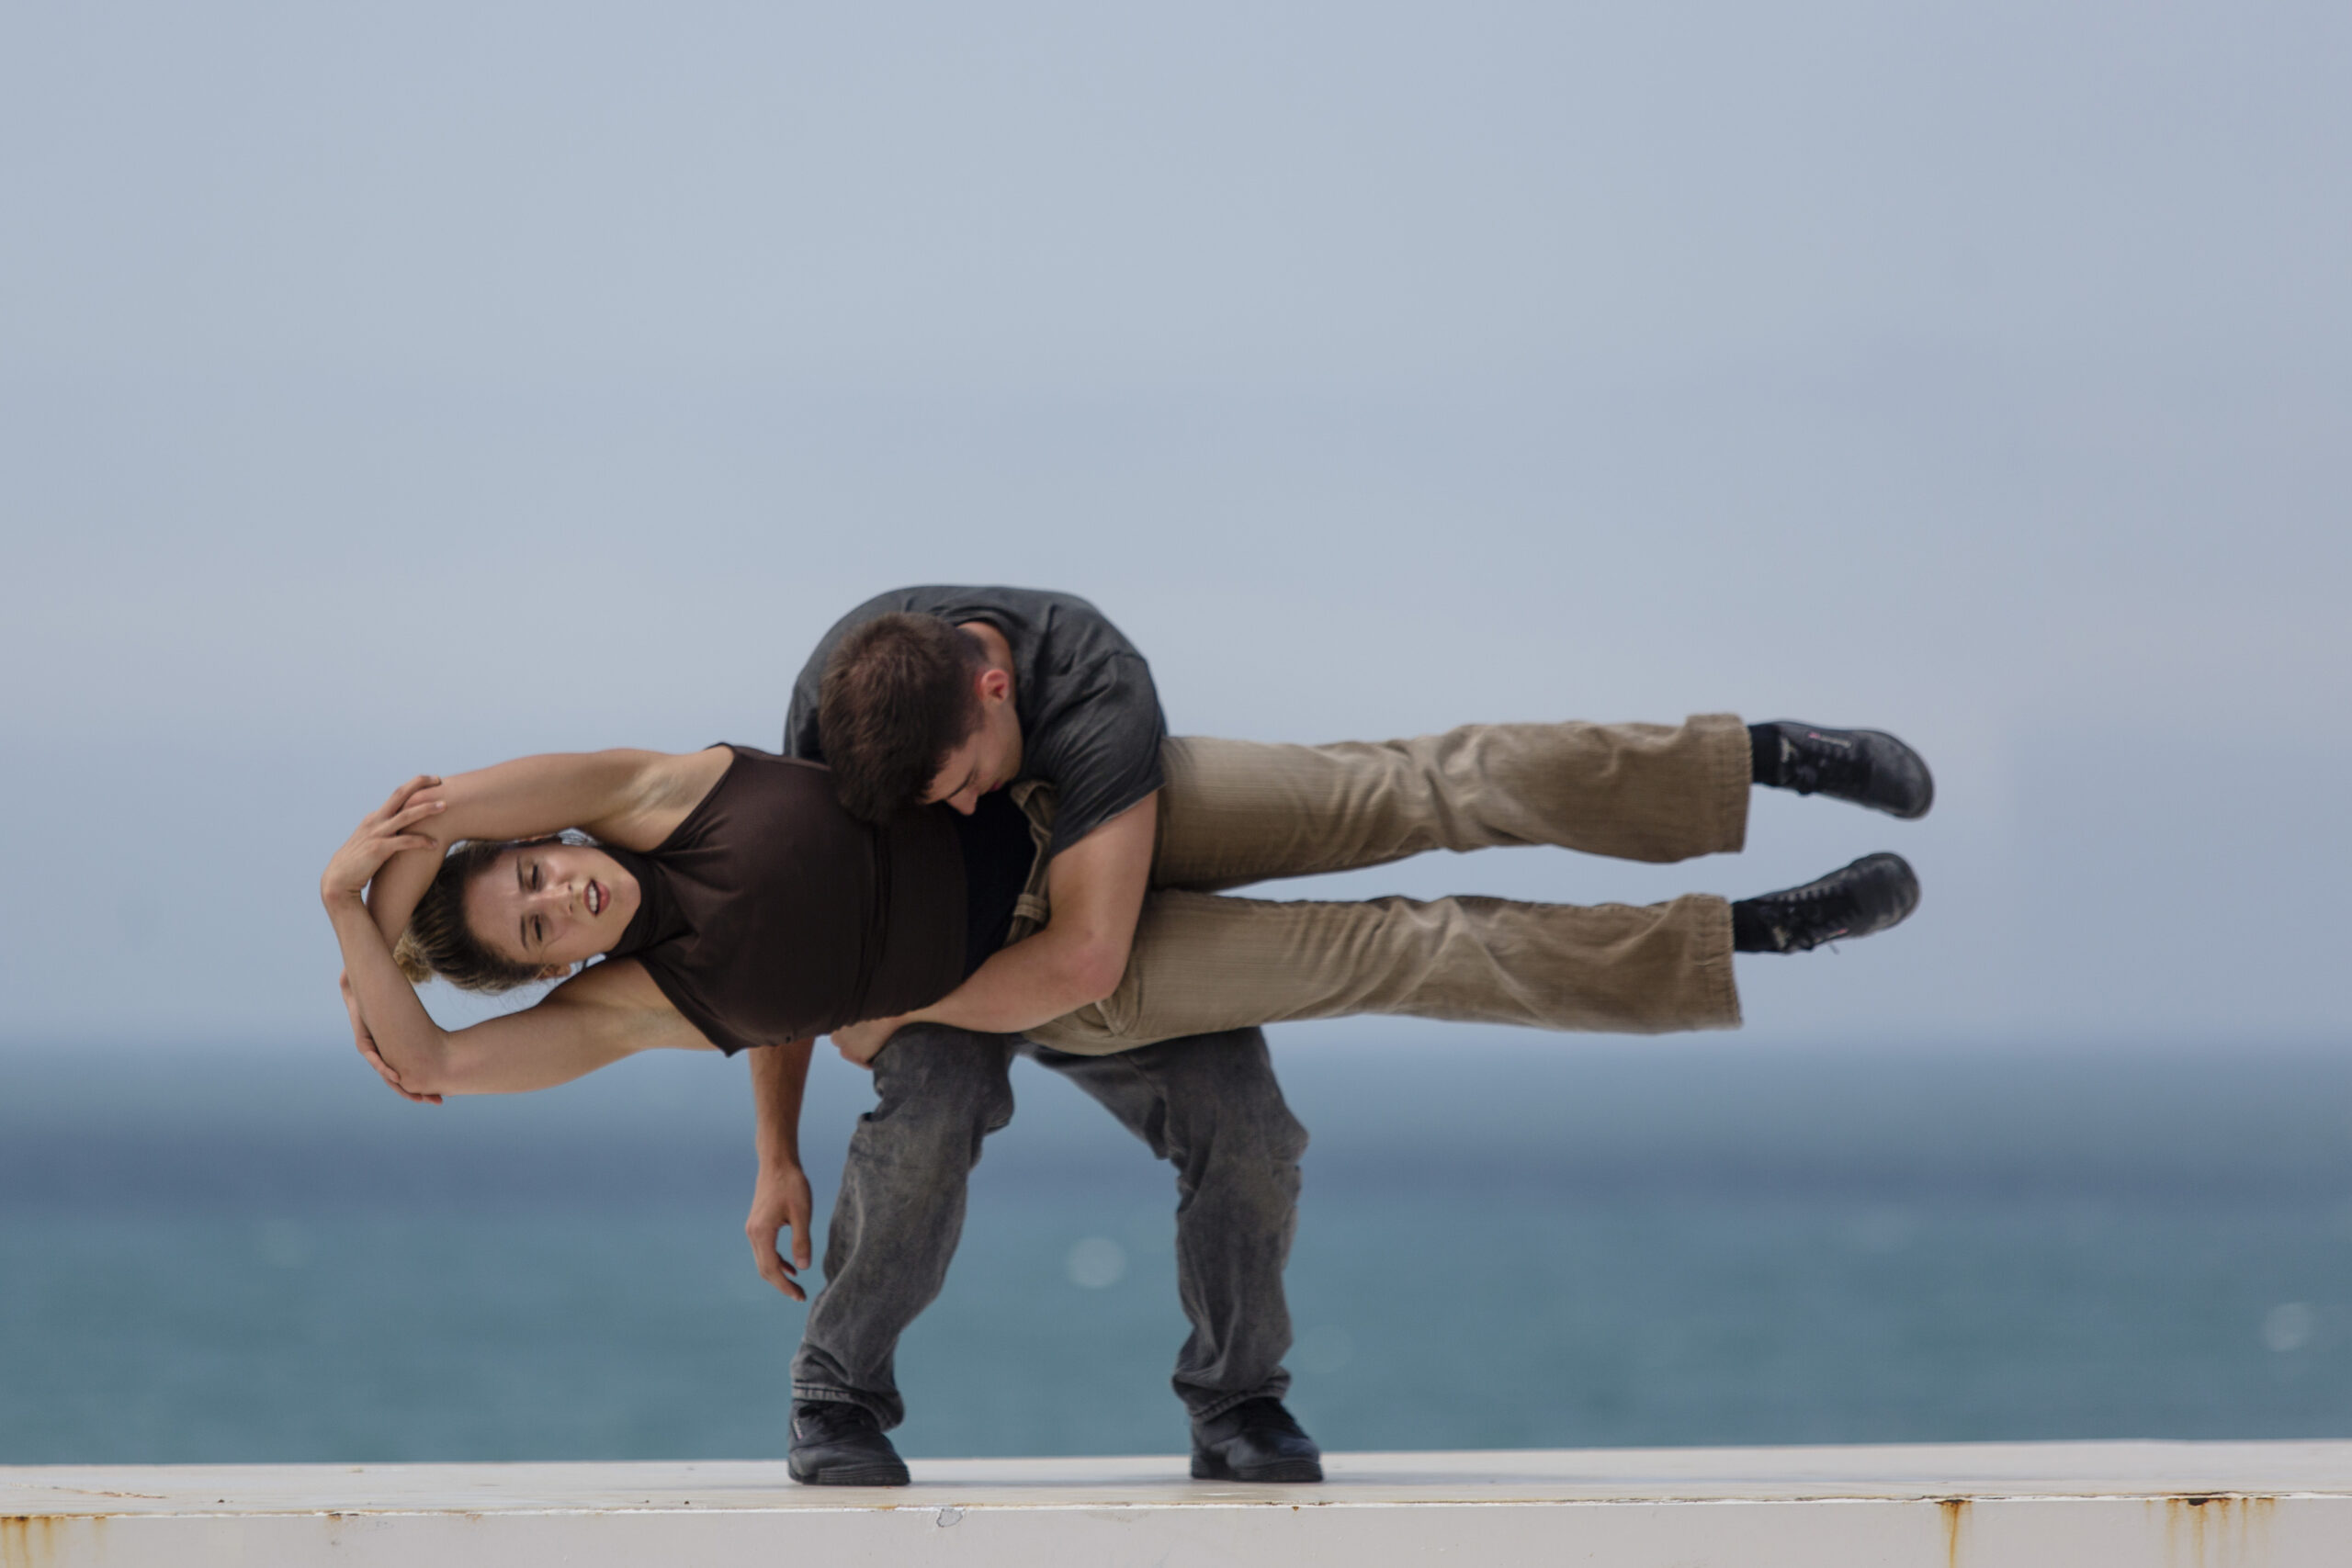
400	389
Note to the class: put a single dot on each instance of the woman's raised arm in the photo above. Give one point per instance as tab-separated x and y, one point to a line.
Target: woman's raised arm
627	797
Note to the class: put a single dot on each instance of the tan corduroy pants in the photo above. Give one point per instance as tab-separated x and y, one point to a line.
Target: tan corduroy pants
1237	812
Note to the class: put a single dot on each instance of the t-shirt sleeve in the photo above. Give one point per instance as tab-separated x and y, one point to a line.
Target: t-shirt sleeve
1103	754
801	737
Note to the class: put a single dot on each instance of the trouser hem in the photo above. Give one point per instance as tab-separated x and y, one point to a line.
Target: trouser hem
1715	972
1731	777
846	1396
1225	1402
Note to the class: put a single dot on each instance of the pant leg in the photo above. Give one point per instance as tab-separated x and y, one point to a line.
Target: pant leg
1211	1107
901	1211
1204	963
1235	812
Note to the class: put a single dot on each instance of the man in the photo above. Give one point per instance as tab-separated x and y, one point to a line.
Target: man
1071	716
947	695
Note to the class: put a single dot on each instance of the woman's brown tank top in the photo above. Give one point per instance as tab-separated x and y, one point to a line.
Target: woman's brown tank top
771	914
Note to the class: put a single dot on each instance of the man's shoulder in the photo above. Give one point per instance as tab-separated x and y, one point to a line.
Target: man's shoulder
1051	632
954	601
1037	621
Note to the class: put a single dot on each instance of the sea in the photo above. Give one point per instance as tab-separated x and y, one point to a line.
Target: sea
218	1252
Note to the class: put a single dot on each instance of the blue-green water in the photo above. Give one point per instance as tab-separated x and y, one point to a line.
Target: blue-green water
246	1256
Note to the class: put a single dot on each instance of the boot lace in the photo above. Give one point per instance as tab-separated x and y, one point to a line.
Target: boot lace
1803	918
1816	763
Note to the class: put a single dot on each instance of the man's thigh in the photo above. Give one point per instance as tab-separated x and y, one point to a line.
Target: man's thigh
1178	1094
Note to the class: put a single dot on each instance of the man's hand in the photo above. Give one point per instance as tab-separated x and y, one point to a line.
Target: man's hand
781	1199
367	1043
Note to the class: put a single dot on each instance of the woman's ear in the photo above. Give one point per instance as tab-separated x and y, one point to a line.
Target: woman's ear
556	972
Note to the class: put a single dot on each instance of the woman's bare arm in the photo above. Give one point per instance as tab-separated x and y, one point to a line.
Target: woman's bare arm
613	1010
631	799
592	1020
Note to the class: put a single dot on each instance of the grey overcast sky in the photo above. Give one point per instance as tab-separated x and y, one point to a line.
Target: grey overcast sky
387	389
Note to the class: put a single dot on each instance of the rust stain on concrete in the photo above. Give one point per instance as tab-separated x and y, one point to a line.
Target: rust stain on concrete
1955	1513
35	1540
26	1540
2218	1529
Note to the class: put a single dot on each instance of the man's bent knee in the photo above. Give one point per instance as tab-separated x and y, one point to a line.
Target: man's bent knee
934	1076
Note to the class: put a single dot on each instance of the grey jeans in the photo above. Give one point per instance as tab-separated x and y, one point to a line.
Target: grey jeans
1207	1104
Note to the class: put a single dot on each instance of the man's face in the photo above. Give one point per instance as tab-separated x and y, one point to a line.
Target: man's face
990	758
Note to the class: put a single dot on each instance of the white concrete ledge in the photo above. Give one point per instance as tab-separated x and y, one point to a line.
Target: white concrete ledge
2018	1505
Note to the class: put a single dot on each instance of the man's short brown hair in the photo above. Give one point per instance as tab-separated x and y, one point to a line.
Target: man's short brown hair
897	697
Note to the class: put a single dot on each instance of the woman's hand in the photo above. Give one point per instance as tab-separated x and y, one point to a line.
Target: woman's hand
861	1043
381	834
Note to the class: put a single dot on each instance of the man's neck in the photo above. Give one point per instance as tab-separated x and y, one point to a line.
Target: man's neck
997	651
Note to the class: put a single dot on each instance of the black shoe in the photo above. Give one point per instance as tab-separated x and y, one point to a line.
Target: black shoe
1255	1441
835	1443
1876	892
1868	767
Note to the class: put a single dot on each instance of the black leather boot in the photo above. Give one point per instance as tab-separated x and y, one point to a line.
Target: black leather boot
1876	892
1868	767
835	1443
1255	1441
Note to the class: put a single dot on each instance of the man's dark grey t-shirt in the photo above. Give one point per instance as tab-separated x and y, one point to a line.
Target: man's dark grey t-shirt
1091	724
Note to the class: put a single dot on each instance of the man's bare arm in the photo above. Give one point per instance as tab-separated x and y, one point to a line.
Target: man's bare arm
780	1198
1097	887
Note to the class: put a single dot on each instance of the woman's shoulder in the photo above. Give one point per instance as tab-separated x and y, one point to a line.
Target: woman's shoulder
672	785
730	788
738	753
609	982
748	767
607	1010
624	990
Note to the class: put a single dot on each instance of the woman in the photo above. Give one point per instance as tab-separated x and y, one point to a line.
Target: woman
734	903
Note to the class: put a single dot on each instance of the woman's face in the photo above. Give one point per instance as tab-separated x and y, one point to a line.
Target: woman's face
551	905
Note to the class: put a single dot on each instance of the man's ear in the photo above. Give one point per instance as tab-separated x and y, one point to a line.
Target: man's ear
993	684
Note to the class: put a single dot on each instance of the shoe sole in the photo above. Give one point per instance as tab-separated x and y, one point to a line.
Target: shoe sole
1296	1471
851	1475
